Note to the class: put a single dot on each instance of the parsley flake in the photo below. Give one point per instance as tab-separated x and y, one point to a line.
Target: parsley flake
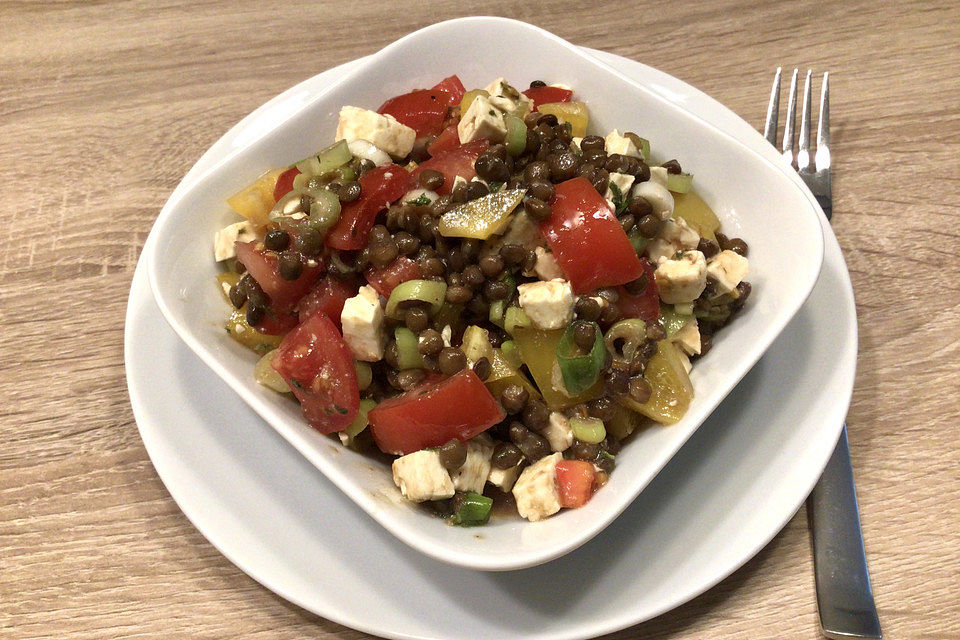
495	186
422	201
620	202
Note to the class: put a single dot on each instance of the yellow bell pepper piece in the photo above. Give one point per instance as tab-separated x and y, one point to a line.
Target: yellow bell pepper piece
672	389
538	350
476	345
255	201
483	217
696	213
249	337
469	97
573	112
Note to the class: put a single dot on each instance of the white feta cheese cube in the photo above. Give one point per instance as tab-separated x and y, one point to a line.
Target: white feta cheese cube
362	322
421	477
658	196
381	130
616	143
414	195
224	241
681	278
504	478
366	150
623	182
575	142
675	235
482	120
548	304
536	490
658	175
507	99
472	475
560	85
727	269
558	432
688	337
547	267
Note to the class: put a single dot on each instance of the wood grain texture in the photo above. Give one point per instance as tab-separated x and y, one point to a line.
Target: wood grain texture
105	105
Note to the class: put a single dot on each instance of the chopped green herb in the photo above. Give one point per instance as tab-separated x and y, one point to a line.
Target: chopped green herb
496	186
620	202
492	112
296	384
422	201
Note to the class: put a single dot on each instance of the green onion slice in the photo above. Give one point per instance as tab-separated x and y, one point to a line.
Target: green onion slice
427	291
588	429
408	353
473	511
580	372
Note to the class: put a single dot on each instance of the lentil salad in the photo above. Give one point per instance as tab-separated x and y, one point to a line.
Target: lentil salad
470	283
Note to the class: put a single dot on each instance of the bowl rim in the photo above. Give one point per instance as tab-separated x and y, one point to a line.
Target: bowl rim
516	559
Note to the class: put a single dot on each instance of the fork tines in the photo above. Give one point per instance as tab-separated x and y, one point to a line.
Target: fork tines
814	170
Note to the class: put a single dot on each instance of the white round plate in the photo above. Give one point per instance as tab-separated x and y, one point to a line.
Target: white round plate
722	497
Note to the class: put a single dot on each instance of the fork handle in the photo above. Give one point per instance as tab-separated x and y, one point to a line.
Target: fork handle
844	597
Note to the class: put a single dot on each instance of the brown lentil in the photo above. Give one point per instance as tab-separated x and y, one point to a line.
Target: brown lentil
639	389
430	342
649	225
416	319
672	166
587	309
409	378
541	189
452	455
451	360
430	179
513	398
276	240
308	242
458	294
506	456
482	368
536	416
491	265
585	335
350	191
290	265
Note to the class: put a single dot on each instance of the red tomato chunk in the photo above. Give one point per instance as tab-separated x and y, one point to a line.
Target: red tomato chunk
327	297
644	305
452	86
452	163
459	407
423	110
546	95
264	267
575	480
317	364
590	244
285	183
379	188
386	279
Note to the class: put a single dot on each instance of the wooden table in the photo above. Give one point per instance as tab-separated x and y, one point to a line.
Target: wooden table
104	106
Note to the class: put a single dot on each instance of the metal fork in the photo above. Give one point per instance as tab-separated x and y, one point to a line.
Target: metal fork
844	597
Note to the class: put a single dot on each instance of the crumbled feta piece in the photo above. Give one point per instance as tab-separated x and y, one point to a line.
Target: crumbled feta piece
556	380
558	432
507	99
548	304
224	241
457	181
421	476
675	235
547	267
658	175
616	143
681	278
727	269
575	142
362	322
560	85
623	182
658	196
447	334
366	150
472	475
523	231
504	478
381	130
688	337
482	120
536	490
414	195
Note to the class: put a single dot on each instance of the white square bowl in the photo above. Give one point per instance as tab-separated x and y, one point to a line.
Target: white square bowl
755	199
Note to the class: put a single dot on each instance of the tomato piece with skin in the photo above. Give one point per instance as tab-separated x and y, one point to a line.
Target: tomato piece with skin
588	241
452	86
277	323
263	266
285	183
386	279
575	480
379	188
317	364
644	305
545	95
452	163
423	110
448	139
458	407
327	296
